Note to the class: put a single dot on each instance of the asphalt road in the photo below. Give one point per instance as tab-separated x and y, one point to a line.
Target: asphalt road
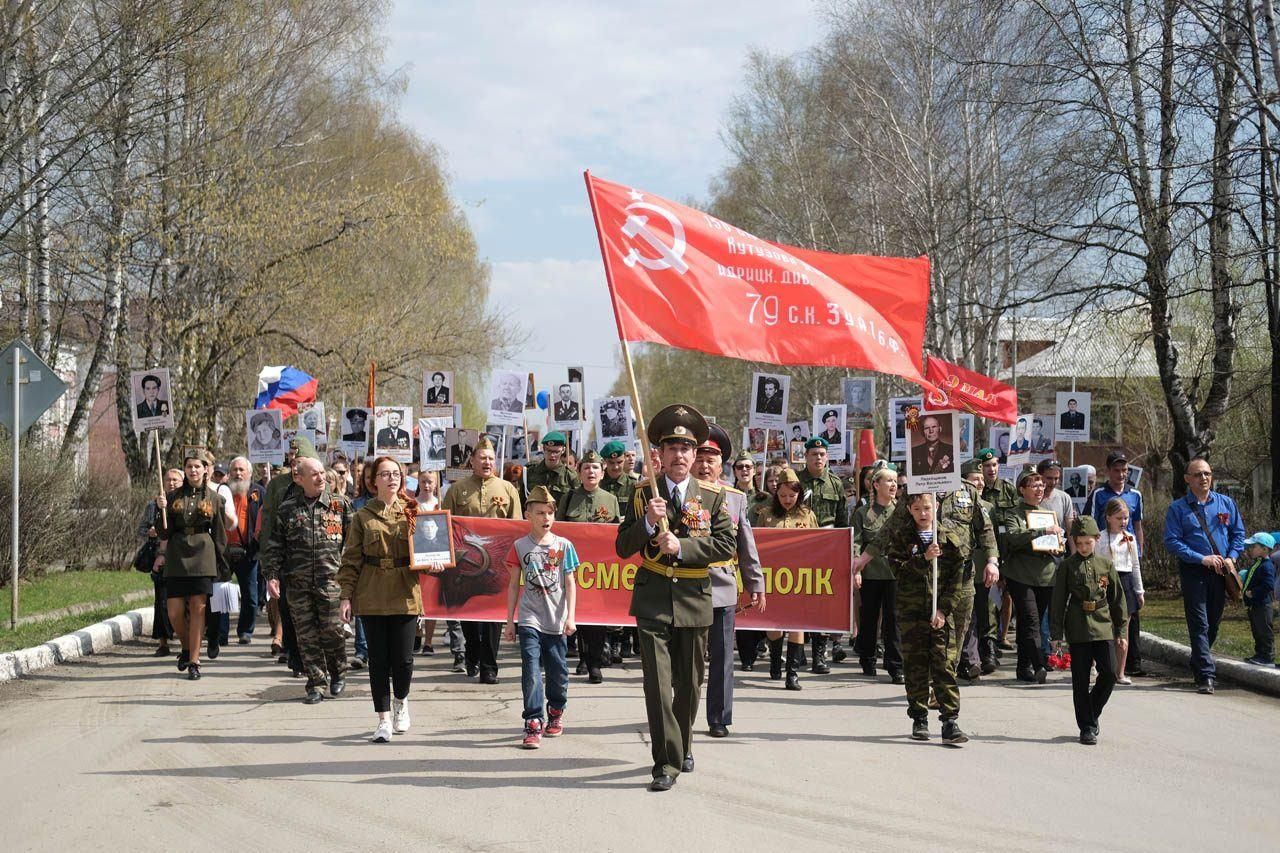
120	751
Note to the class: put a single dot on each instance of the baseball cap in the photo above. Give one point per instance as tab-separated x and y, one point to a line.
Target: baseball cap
1266	540
1116	456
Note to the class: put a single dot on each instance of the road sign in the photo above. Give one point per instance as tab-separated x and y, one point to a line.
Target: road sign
38	386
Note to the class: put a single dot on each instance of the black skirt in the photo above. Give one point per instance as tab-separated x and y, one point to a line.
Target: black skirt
183	587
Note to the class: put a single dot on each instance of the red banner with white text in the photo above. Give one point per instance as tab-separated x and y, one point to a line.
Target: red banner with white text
686	279
807	576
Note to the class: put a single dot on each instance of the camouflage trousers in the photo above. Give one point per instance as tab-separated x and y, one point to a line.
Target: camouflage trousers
928	656
313	603
963	616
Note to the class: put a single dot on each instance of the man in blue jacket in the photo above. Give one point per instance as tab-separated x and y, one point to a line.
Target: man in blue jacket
1203	531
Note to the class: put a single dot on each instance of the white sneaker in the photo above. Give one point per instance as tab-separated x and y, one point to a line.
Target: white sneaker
383	733
400	714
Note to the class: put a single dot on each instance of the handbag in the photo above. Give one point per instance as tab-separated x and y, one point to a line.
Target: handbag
1235	589
146	556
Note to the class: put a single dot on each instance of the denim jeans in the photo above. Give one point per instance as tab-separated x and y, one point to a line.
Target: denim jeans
362	645
247	575
541	653
1204	592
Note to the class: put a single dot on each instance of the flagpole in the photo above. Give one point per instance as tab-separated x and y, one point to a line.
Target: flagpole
622	339
935	559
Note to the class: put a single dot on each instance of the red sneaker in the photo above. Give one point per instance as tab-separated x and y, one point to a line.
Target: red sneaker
532	734
555	722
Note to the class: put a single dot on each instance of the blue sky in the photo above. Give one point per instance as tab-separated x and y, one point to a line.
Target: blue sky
521	97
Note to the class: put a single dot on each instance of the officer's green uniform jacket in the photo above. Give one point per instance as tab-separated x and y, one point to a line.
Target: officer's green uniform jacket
477	498
963	529
596	506
1088	601
825	496
622	488
1018	561
1001	495
307	537
559	482
706	536
196	536
867	521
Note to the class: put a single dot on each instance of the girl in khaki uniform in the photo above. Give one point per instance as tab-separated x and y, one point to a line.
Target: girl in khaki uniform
787	510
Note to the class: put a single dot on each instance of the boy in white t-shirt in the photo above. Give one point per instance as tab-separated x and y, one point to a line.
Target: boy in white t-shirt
546	563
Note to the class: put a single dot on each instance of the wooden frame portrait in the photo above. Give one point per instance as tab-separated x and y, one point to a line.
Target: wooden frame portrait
1043	519
432	540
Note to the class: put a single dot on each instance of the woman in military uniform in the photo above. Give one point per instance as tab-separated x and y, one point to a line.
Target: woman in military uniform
878	586
194	555
378	584
1028	572
591	504
786	509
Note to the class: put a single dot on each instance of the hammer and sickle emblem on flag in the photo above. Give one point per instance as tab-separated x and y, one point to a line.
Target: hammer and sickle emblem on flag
637	225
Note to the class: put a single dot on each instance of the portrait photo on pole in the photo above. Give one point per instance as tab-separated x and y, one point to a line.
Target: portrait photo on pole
497	435
753	439
998	440
517	446
613	419
353	429
769	394
150	396
312	416
859	401
1020	441
1042	434
897	414
828	424
574	374
391	435
1072	415
932	464
462	446
964	441
566	409
506	398
437	393
1075	482
533	442
432	540
264	435
1134	476
432	450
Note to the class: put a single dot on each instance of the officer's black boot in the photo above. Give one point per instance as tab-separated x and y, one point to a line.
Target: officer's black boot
775	658
793	663
987	651
838	653
820	666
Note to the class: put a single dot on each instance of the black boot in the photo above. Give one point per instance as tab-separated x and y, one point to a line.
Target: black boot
820	666
775	658
838	653
793	663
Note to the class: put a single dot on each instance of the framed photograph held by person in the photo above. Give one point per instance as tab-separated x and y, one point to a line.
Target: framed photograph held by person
432	540
1043	519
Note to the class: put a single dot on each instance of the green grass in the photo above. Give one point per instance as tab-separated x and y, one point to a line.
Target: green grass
42	632
1163	617
63	589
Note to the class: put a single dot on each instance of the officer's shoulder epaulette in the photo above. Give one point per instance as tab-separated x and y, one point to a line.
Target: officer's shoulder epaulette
732	490
714	488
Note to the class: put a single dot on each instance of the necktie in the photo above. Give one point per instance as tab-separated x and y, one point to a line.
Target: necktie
675	496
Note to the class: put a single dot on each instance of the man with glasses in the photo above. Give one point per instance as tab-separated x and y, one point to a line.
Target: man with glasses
1204	532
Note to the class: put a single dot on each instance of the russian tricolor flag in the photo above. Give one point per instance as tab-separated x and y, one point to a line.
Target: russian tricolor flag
284	388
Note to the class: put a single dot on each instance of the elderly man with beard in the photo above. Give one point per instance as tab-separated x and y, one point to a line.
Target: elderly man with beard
242	542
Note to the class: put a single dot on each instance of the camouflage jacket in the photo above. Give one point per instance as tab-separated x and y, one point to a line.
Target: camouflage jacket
307	536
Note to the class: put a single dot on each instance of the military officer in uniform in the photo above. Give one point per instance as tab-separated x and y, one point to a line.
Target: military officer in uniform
550	471
997	494
590	503
305	547
278	488
823	492
678	533
909	543
483	495
724	582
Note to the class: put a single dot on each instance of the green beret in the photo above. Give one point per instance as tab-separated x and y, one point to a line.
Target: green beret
555	437
970	467
613	450
986	454
1084	525
816	441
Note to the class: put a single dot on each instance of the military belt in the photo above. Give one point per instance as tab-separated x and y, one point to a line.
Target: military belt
1088	606
386	563
671	571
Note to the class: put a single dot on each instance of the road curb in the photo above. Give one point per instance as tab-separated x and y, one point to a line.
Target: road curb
1177	655
77	644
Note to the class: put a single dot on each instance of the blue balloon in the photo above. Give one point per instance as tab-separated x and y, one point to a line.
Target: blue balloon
543	399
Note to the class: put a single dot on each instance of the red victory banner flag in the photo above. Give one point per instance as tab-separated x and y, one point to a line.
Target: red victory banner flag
686	279
808	576
956	387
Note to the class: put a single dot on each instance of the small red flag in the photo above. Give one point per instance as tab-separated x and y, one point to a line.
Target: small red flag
683	278
957	387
